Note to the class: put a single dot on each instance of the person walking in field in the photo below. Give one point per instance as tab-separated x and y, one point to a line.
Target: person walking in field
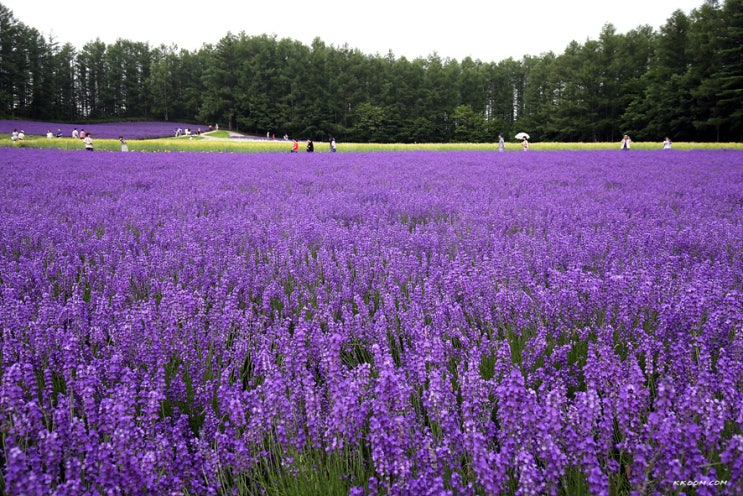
626	142
332	144
667	143
124	146
501	143
88	140
310	146
525	144
295	146
75	134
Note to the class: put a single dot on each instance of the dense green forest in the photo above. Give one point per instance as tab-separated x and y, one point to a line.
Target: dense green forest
684	80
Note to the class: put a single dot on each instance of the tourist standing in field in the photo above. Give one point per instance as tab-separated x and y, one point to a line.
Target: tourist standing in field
75	134
310	146
295	146
14	135
88	140
332	144
667	143
626	142
501	143
525	143
124	146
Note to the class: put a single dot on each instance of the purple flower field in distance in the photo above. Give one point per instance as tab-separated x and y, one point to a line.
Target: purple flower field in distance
105	130
442	323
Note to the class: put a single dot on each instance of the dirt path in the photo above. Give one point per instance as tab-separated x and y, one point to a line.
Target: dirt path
232	135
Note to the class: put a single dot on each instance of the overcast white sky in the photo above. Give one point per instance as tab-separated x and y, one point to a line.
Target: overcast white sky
487	30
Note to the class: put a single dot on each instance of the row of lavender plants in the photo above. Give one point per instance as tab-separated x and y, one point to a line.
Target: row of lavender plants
399	323
103	130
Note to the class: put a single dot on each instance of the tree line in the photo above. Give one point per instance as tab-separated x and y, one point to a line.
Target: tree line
684	80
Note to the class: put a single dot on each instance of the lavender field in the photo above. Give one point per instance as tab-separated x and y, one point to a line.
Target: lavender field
386	323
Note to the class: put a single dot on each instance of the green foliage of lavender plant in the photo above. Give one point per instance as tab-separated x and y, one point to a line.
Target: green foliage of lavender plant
299	472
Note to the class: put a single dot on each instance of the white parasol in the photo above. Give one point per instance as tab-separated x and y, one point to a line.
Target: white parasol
522	135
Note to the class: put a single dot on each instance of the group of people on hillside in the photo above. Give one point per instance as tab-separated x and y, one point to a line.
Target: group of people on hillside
88	141
310	146
86	138
187	132
502	143
625	144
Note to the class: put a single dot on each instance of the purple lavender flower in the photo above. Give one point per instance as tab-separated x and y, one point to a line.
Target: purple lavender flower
543	324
